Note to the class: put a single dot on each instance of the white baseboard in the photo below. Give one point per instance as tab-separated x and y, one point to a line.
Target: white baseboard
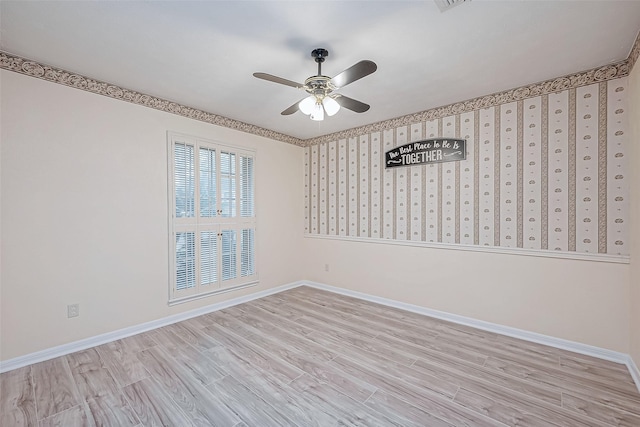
61	350
576	347
634	371
560	343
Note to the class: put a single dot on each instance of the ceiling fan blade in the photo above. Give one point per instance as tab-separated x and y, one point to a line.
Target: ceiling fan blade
275	79
353	73
352	104
291	109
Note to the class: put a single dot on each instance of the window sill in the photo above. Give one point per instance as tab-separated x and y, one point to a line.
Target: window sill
188	298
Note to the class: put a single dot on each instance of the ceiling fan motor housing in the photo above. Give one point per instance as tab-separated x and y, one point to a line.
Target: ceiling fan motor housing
319	54
319	86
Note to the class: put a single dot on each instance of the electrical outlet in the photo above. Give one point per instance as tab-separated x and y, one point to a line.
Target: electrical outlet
73	310
326	267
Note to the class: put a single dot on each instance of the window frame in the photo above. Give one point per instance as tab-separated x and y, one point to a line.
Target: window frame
217	223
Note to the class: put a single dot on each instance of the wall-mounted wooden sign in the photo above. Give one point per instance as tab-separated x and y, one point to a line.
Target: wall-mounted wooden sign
432	150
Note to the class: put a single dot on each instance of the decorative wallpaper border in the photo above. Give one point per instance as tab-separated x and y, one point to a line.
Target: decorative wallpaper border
635	52
572	81
32	68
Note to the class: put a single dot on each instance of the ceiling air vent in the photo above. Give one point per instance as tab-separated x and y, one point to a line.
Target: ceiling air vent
445	5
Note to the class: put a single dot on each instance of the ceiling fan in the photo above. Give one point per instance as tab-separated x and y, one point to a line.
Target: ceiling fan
322	97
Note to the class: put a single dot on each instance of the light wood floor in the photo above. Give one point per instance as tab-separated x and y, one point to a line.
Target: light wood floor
311	358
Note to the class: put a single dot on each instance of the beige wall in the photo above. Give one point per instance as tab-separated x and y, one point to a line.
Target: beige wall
84	220
634	85
84	213
582	301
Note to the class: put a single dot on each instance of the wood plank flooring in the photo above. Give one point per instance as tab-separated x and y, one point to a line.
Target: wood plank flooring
306	357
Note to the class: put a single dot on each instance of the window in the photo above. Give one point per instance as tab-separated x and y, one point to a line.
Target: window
212	218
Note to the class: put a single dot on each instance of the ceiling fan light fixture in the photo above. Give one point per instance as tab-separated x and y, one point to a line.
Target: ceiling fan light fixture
331	106
307	105
318	112
321	100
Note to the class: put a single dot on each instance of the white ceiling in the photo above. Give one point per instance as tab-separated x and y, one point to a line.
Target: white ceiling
202	54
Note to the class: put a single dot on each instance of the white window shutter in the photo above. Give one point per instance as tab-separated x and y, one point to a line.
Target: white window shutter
229	254
247	253
212	206
184	180
246	187
228	184
185	259
208	190
208	257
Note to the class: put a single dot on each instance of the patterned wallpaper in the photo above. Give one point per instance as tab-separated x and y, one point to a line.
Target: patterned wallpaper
542	173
